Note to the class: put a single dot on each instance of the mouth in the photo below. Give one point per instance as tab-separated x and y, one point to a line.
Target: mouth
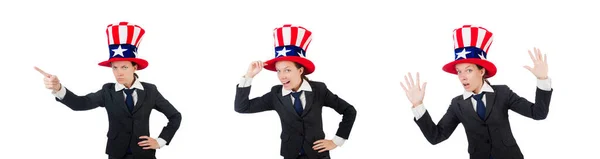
286	83
466	84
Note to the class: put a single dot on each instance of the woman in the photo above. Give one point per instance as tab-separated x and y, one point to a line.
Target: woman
482	108
128	102
297	100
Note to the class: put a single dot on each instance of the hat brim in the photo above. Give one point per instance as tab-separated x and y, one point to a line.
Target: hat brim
142	64
308	65
489	66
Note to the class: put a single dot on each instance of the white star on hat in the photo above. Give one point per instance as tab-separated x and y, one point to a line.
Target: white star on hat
301	53
135	53
462	54
481	56
119	51
282	52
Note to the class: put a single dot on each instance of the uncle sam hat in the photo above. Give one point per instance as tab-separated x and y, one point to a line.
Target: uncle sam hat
123	42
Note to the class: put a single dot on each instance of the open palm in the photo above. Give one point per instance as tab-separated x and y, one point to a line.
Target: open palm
540	65
414	92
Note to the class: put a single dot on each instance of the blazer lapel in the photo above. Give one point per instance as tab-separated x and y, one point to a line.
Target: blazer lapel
141	94
467	106
119	99
310	96
286	101
490	99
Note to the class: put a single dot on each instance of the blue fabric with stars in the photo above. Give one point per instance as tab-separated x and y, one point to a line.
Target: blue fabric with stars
122	51
289	50
469	53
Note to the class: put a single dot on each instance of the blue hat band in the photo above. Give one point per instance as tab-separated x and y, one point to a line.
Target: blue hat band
289	50
469	53
122	51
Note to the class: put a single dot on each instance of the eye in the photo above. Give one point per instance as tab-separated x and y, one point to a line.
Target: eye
469	70
288	70
458	71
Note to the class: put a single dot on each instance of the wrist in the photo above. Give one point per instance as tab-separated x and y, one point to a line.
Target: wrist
417	104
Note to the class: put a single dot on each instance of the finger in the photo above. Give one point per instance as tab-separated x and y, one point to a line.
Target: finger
529	68
538	55
531	55
407	83
144	142
418	81
424	86
323	150
144	137
546	59
146	148
41	71
412	83
318	146
318	142
405	90
264	63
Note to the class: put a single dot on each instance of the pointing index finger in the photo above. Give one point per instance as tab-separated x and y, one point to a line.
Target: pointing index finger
42	71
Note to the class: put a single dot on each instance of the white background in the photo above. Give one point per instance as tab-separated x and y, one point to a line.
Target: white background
198	52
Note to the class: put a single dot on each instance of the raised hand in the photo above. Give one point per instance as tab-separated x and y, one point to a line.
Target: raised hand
540	65
254	68
414	92
51	81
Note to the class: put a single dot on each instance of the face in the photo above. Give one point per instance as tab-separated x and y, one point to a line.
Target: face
289	75
123	71
470	76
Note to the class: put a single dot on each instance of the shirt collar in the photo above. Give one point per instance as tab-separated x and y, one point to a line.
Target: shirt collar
305	86
484	88
136	84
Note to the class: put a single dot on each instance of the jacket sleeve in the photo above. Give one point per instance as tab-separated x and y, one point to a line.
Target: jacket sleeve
80	103
245	105
440	132
342	107
537	111
174	117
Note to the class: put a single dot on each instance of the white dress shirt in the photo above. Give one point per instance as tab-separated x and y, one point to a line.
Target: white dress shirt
419	110
136	84
246	82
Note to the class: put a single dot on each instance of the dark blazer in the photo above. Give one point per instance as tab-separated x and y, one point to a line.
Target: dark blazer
308	126
124	127
492	135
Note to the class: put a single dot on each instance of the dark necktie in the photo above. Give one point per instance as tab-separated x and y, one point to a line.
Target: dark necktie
480	105
129	98
297	102
299	109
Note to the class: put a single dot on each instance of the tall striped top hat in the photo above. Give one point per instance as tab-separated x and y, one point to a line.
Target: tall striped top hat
123	42
291	44
471	45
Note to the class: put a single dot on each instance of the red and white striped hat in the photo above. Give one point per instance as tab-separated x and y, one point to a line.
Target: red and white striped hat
291	44
471	45
123	41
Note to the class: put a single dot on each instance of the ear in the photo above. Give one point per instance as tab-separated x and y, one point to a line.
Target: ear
301	70
483	71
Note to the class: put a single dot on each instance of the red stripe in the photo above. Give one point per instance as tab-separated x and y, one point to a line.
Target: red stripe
107	37
486	50
306	48
474	36
139	38
130	31
115	34
459	39
306	35
279	37
294	35
486	38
